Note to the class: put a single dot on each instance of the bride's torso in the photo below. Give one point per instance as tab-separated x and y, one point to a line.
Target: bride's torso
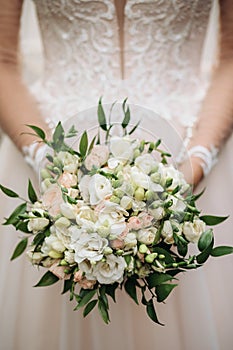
148	50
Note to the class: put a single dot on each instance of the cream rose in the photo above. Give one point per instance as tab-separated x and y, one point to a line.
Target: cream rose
145	163
147	236
193	230
97	157
37	224
111	270
89	246
99	187
122	148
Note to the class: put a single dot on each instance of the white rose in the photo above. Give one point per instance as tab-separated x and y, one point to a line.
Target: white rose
147	236
145	163
130	241
86	218
34	257
99	187
122	148
86	267
97	157
68	210
37	224
69	257
70	162
111	270
170	172
89	246
193	230
52	243
167	232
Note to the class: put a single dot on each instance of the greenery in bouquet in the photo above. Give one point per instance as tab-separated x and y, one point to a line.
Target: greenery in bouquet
112	214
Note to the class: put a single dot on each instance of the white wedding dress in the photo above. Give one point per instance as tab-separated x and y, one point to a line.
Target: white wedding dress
155	57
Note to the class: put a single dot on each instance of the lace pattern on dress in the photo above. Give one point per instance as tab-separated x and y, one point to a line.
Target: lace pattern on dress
162	51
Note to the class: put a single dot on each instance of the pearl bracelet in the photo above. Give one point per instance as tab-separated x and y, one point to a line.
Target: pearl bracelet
208	156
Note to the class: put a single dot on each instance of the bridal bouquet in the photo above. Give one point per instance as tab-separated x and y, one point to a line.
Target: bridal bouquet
112	214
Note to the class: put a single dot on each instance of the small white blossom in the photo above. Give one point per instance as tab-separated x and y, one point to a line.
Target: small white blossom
111	270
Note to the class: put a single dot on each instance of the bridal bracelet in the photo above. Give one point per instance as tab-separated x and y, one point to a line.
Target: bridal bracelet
208	157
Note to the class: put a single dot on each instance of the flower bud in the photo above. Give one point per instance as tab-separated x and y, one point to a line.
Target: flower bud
139	193
151	257
55	255
155	177
108	250
143	248
119	252
115	199
45	174
161	256
119	193
137	153
63	263
149	195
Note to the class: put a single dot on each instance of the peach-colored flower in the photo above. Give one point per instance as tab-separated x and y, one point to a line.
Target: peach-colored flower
97	157
52	199
146	219
117	243
59	271
87	284
78	276
134	223
67	180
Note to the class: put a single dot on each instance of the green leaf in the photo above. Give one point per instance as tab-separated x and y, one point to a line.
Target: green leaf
72	132
83	145
157	143
92	144
163	291
150	309
126	119
111	290
205	239
58	137
31	192
168	258
134	128
20	248
22	226
47	280
130	288
203	256
39	132
212	220
87	296
221	250
9	192
157	278
103	311
101	116
90	306
67	285
39	238
182	244
13	218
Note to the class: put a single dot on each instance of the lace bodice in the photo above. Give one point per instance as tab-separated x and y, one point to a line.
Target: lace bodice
154	59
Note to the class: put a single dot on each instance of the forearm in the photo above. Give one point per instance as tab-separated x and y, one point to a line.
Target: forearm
17	107
215	122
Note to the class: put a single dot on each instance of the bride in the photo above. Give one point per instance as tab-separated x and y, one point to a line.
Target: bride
155	52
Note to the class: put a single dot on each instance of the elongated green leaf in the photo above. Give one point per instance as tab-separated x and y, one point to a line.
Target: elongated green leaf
22	226
126	119
101	116
212	220
221	250
47	280
20	248
58	137
92	144
9	192
83	145
157	278
86	298
67	285
89	307
150	309
163	291
205	240
203	256
72	132
111	290
130	288
103	311
39	132
13	218
168	258
134	128
31	192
